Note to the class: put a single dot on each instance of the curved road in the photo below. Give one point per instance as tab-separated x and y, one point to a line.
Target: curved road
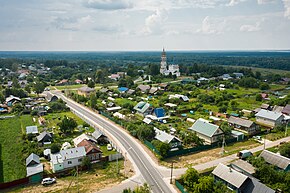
145	166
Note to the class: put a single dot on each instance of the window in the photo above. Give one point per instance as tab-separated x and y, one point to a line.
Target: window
80	160
69	162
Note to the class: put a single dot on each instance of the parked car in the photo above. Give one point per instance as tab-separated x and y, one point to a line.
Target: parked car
109	147
244	154
48	181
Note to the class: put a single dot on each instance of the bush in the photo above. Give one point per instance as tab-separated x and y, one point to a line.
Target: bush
55	148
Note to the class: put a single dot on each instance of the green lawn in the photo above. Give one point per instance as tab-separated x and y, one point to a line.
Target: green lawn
11	142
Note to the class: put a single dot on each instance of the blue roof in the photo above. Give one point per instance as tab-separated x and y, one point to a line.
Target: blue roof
159	112
123	89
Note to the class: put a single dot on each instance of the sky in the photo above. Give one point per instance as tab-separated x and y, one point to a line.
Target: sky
141	25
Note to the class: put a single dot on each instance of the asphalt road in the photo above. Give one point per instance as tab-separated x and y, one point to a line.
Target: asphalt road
145	166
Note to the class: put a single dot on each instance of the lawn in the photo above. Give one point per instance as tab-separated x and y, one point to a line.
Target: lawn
11	143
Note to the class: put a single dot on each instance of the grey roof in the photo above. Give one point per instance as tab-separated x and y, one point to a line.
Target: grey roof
153	90
229	175
269	114
144	88
130	91
86	89
31	129
11	97
42	135
103	90
163	136
242	122
204	127
244	166
254	186
81	137
278	109
265	106
141	107
31	170
32	157
73	153
275	159
97	134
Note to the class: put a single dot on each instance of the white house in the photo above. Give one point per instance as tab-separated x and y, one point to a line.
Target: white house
67	158
269	118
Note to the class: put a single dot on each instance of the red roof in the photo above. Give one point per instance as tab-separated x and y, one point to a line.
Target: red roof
89	146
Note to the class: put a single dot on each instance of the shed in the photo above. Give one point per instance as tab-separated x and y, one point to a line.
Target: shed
31	130
238	135
277	160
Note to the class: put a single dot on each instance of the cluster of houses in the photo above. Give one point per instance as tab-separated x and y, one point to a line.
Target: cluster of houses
239	175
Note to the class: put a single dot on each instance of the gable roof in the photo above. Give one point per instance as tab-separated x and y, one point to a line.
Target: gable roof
103	90
32	157
153	90
123	89
83	136
42	135
254	186
97	134
286	109
202	126
50	96
239	121
268	114
31	129
144	88
229	175
89	146
159	112
163	136
275	159
86	89
73	153
11	97
31	170
130	91
141	107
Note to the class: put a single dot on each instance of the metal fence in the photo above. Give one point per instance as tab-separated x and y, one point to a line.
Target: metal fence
180	187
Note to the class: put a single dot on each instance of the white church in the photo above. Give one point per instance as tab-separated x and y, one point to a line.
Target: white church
172	68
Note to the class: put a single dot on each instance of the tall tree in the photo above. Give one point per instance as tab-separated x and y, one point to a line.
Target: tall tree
67	124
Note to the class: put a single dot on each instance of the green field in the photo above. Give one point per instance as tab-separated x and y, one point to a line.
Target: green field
11	143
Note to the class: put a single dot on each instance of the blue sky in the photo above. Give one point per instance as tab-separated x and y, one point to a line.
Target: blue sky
101	25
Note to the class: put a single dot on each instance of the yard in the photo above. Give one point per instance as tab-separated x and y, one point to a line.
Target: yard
11	131
208	155
102	175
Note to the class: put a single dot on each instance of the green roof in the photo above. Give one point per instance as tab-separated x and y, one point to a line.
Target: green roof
204	127
141	107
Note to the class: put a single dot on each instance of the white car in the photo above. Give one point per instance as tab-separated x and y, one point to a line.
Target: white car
47	181
109	147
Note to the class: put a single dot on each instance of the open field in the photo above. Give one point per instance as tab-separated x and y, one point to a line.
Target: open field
265	71
10	137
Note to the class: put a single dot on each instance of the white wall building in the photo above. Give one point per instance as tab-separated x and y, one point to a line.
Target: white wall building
172	68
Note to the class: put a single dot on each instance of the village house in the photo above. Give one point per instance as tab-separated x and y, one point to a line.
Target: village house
184	98
115	77
144	88
50	97
44	138
11	100
130	91
67	158
238	182
78	81
83	136
279	161
143	108
62	82
210	133
123	89
92	151
31	130
100	137
269	118
164	137
33	166
86	91
286	110
104	90
247	126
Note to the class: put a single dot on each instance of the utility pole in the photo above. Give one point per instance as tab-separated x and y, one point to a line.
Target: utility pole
78	179
117	164
125	165
171	172
286	128
265	142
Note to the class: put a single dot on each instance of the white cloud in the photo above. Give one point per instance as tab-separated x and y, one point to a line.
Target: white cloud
287	8
260	2
250	28
235	2
73	24
212	26
108	4
154	22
